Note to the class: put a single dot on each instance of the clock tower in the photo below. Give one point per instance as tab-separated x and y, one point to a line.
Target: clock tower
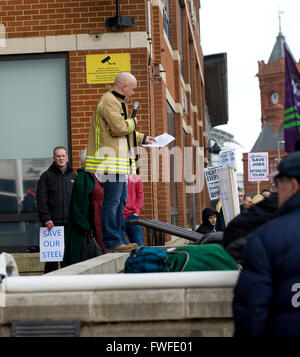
271	78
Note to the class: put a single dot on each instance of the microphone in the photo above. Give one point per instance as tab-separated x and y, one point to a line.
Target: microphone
134	109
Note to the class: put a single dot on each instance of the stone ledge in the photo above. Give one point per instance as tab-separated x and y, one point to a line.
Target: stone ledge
173	328
110	263
182	311
29	263
118	306
139	305
214	303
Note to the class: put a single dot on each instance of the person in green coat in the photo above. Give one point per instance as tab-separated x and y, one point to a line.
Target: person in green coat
85	214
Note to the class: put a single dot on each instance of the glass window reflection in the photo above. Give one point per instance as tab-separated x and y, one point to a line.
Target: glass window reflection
18	181
17	237
19	223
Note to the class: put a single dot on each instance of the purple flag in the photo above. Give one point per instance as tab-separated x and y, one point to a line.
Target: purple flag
292	102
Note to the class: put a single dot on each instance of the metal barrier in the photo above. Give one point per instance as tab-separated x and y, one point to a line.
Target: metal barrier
156	233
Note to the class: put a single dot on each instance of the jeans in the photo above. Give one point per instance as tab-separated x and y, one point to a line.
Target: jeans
113	225
134	232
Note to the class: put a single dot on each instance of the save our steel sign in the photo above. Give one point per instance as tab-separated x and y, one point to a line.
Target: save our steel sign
258	166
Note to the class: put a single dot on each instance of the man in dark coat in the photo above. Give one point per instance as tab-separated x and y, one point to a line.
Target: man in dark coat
240	227
266	298
54	191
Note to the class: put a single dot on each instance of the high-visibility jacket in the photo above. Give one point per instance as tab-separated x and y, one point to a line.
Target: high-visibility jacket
111	142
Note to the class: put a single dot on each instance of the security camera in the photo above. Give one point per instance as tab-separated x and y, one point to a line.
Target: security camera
106	59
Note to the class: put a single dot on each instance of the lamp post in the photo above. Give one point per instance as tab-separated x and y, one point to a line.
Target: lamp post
213	150
278	150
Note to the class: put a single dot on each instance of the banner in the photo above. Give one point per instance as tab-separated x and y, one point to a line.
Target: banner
228	193
212	181
258	166
227	158
292	102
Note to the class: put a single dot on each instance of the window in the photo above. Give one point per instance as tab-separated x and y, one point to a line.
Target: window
173	184
180	38
34	119
166	18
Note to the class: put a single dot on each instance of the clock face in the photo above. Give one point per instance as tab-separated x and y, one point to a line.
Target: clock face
274	98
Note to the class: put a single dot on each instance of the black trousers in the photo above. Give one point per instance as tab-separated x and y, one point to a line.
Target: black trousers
50	266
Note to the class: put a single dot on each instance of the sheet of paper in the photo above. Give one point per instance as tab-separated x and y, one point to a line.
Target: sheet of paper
161	140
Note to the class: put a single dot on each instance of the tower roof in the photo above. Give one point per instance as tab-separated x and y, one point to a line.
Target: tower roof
278	50
268	139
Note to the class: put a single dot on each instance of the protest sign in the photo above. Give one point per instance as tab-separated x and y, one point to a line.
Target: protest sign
52	244
212	181
228	193
258	166
227	158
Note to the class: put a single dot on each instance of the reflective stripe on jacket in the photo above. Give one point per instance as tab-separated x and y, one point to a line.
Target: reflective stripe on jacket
108	146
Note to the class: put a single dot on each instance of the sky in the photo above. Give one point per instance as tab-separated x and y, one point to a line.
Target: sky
246	31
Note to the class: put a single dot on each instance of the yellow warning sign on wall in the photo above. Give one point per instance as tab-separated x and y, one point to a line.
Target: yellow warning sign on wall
104	68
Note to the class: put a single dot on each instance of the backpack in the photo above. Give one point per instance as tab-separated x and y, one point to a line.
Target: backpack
146	260
199	258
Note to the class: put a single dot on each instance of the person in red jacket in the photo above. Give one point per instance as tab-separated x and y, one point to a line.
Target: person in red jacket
132	210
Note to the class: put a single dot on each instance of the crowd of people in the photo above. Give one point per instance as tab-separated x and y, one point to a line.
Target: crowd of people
107	193
265	301
264	240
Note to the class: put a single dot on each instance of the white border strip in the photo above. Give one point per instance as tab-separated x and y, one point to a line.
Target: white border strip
44	283
80	42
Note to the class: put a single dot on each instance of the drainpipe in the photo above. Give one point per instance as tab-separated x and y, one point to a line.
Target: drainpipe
52	283
149	20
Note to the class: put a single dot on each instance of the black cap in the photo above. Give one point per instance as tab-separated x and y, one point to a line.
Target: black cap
290	165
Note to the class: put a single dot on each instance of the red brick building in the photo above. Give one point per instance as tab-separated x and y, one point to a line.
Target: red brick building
44	63
271	77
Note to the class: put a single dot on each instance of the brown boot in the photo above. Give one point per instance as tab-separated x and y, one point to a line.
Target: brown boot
134	245
123	248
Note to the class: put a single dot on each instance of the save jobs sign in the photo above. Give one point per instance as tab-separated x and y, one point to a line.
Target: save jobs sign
258	166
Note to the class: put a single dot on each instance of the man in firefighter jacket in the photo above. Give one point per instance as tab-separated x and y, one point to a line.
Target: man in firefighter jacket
110	155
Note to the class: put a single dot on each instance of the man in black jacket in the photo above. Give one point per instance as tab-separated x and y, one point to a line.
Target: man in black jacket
240	227
54	191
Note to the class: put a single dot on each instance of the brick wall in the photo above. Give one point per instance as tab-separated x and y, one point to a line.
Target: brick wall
39	18
65	17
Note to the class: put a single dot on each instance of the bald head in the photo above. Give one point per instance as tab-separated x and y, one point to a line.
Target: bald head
125	83
123	78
